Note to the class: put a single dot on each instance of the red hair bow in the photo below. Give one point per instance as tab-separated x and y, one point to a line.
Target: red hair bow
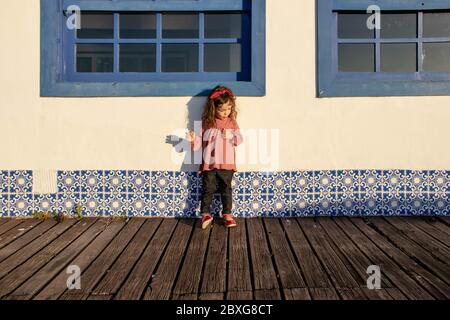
218	93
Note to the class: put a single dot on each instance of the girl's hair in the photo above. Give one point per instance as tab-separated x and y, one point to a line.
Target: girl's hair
219	96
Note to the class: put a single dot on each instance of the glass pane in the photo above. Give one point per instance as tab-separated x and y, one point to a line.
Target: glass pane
137	58
356	58
399	25
399	57
137	26
95	57
179	58
436	24
223	25
223	57
354	26
96	26
180	25
436	57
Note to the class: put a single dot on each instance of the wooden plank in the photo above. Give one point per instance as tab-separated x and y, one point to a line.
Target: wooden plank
59	284
335	268
21	273
356	257
410	231
396	294
267	294
263	270
18	254
188	281
18	231
377	294
3	220
57	265
288	270
323	294
215	270
21	242
117	274
9	224
434	228
239	274
315	275
144	270
412	249
297	294
105	297
363	237
351	294
166	273
211	296
187	296
240	295
93	274
400	268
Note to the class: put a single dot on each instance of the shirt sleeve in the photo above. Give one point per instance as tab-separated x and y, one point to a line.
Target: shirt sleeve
237	135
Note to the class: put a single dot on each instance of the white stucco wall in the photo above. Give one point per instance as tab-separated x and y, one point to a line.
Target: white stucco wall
130	133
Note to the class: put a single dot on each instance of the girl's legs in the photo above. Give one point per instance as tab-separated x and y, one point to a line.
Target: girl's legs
225	177
209	187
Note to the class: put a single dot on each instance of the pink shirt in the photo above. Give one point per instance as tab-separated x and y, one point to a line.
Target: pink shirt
218	148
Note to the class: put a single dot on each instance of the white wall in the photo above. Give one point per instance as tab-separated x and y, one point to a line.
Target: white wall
129	133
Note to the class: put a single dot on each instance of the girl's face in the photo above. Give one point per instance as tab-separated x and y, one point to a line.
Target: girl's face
224	111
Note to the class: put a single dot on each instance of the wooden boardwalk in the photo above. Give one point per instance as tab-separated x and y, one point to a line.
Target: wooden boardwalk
304	258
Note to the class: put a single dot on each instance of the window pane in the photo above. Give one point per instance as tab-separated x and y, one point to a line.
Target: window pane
180	25
95	57
356	58
353	26
179	58
399	25
223	57
223	25
436	24
137	58
436	57
399	57
96	25
137	26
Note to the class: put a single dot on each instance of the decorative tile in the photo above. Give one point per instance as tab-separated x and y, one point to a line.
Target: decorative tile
439	203
117	204
92	204
438	181
20	181
68	201
346	181
302	205
348	204
301	182
4	209
117	181
20	204
4	182
69	181
91	181
45	203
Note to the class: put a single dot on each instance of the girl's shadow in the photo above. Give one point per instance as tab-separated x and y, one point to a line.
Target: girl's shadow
190	163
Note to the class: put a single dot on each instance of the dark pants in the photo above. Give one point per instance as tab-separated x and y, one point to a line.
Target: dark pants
217	179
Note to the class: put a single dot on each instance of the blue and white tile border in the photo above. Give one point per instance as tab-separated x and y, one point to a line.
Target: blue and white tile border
274	194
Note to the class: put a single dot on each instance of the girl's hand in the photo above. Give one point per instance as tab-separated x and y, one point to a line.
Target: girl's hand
190	136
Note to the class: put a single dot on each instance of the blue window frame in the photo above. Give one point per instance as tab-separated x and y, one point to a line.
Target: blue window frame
403	58
106	59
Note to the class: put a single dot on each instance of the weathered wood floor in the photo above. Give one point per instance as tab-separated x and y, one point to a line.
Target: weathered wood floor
305	258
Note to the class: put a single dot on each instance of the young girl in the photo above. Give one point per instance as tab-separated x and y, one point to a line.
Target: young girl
220	135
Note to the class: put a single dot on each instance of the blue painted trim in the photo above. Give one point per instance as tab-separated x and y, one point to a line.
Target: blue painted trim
333	84
52	84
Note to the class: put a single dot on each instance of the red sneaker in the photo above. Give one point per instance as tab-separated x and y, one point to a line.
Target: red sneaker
228	221
206	220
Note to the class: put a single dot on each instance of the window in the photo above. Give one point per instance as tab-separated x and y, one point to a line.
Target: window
407	55
153	47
